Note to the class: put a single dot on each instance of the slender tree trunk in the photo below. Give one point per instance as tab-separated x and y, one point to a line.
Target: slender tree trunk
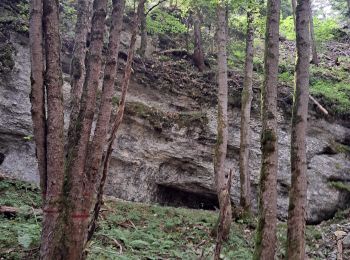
297	195
198	54
247	95
348	15
118	119
37	96
77	183
294	7
52	228
314	59
266	230
99	140
221	178
78	62
143	46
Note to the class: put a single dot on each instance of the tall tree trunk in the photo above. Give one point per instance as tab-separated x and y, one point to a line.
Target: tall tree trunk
77	69
100	135
118	119
247	96
221	178
77	183
99	141
198	54
266	230
143	26
37	95
52	228
314	59
294	7
297	195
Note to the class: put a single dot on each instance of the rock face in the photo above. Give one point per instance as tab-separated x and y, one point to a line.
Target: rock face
164	149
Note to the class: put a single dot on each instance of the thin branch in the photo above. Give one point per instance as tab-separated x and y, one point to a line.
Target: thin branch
149	10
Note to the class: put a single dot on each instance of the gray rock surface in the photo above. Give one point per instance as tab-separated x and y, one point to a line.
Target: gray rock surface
164	149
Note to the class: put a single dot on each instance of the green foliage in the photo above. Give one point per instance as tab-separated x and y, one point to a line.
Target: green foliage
324	28
336	94
161	22
68	18
287	28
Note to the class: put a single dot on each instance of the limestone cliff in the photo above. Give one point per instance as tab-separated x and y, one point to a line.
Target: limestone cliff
164	149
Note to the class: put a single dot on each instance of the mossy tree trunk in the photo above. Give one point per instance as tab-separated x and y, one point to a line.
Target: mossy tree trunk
77	192
52	227
117	120
198	54
37	95
221	176
245	113
314	59
265	245
77	68
297	195
70	183
143	30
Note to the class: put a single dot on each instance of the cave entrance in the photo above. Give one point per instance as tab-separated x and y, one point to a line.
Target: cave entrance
169	196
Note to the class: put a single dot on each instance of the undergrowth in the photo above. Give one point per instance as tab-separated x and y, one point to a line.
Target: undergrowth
139	231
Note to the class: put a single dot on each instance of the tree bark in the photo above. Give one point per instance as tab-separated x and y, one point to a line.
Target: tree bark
143	46
266	230
221	177
297	195
294	7
99	141
52	228
37	95
247	95
198	54
314	59
78	62
77	183
118	119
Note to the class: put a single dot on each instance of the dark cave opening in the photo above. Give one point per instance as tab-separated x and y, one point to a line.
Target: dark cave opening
169	196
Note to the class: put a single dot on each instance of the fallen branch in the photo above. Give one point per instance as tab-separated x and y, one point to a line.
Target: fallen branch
115	242
8	210
318	105
13	211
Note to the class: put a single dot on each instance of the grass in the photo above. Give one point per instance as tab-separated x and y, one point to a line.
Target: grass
335	93
140	231
143	231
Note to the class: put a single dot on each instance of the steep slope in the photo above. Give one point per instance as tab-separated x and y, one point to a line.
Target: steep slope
164	150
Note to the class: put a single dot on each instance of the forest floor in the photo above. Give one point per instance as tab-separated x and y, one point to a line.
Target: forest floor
129	230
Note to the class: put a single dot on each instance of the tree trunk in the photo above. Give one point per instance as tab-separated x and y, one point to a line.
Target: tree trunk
77	69
266	230
52	226
221	177
294	7
95	153
297	195
247	96
143	26
77	184
198	55
37	95
314	59
118	119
